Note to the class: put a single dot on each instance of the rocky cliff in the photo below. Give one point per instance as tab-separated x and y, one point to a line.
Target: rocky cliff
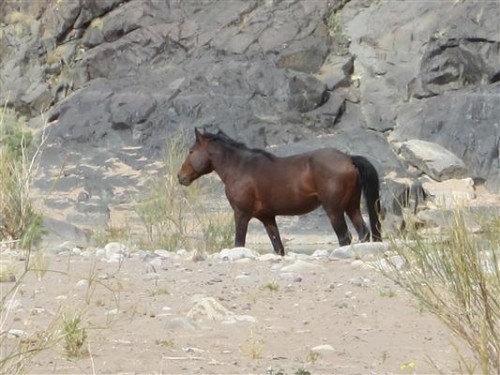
115	79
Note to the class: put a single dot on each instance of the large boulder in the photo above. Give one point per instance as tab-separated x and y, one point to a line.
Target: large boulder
436	161
466	122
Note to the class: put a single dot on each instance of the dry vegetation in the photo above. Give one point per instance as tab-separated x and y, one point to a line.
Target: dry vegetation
456	276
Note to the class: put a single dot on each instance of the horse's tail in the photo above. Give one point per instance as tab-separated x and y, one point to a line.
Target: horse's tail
370	186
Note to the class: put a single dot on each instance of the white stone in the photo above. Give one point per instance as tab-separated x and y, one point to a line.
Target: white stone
238	253
323	348
299	266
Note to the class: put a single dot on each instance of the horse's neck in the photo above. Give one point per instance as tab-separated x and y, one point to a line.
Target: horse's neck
226	160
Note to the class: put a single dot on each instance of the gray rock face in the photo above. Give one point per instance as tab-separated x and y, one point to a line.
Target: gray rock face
434	69
113	74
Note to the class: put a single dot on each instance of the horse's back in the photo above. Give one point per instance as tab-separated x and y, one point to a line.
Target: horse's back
332	161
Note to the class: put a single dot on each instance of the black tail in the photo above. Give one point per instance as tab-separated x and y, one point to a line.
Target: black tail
370	186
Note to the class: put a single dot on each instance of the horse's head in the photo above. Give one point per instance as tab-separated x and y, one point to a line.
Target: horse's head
197	162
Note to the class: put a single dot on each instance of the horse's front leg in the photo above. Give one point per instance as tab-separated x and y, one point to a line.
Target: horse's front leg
274	234
241	226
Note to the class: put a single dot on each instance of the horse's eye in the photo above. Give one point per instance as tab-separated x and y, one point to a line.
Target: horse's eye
191	151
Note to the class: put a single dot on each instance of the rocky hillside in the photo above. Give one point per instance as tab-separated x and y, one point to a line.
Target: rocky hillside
115	79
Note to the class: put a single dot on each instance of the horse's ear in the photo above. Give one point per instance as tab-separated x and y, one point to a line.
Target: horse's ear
198	134
220	132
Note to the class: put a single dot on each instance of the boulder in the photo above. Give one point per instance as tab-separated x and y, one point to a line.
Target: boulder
432	159
450	193
306	93
455	63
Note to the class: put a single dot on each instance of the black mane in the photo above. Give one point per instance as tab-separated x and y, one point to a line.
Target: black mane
228	141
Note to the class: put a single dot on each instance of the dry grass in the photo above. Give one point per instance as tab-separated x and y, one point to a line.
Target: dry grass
177	217
19	220
456	276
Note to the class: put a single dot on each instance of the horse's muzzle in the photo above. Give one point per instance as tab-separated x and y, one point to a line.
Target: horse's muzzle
184	180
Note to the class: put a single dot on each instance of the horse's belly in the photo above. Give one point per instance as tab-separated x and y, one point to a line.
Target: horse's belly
295	208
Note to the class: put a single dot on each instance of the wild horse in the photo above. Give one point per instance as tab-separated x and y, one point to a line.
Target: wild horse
261	185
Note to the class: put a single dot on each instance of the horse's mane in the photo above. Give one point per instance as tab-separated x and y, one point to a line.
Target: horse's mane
230	142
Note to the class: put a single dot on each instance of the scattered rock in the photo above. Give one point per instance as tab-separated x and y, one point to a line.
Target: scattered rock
84	283
181	323
320	254
291	276
208	308
115	252
322	348
390	264
270	257
17	333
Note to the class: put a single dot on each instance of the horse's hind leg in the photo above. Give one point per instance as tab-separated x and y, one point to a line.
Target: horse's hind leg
359	224
354	213
274	234
339	226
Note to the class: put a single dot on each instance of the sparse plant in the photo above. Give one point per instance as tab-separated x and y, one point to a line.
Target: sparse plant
271	371
158	292
456	276
387	292
7	272
384	356
166	343
334	23
39	264
175	217
74	336
253	347
408	367
109	234
19	220
16	358
340	41
218	232
272	286
313	357
302	371
97	23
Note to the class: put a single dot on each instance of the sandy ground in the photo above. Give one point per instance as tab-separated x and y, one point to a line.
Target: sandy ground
332	316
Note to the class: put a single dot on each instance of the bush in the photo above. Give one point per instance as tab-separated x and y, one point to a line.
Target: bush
178	217
456	276
19	220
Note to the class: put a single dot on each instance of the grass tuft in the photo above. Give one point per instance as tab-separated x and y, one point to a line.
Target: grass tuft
74	336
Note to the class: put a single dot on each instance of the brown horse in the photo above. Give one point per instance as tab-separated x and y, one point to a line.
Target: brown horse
261	185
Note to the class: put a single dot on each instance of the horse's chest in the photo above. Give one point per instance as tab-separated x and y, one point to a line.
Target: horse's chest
241	195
